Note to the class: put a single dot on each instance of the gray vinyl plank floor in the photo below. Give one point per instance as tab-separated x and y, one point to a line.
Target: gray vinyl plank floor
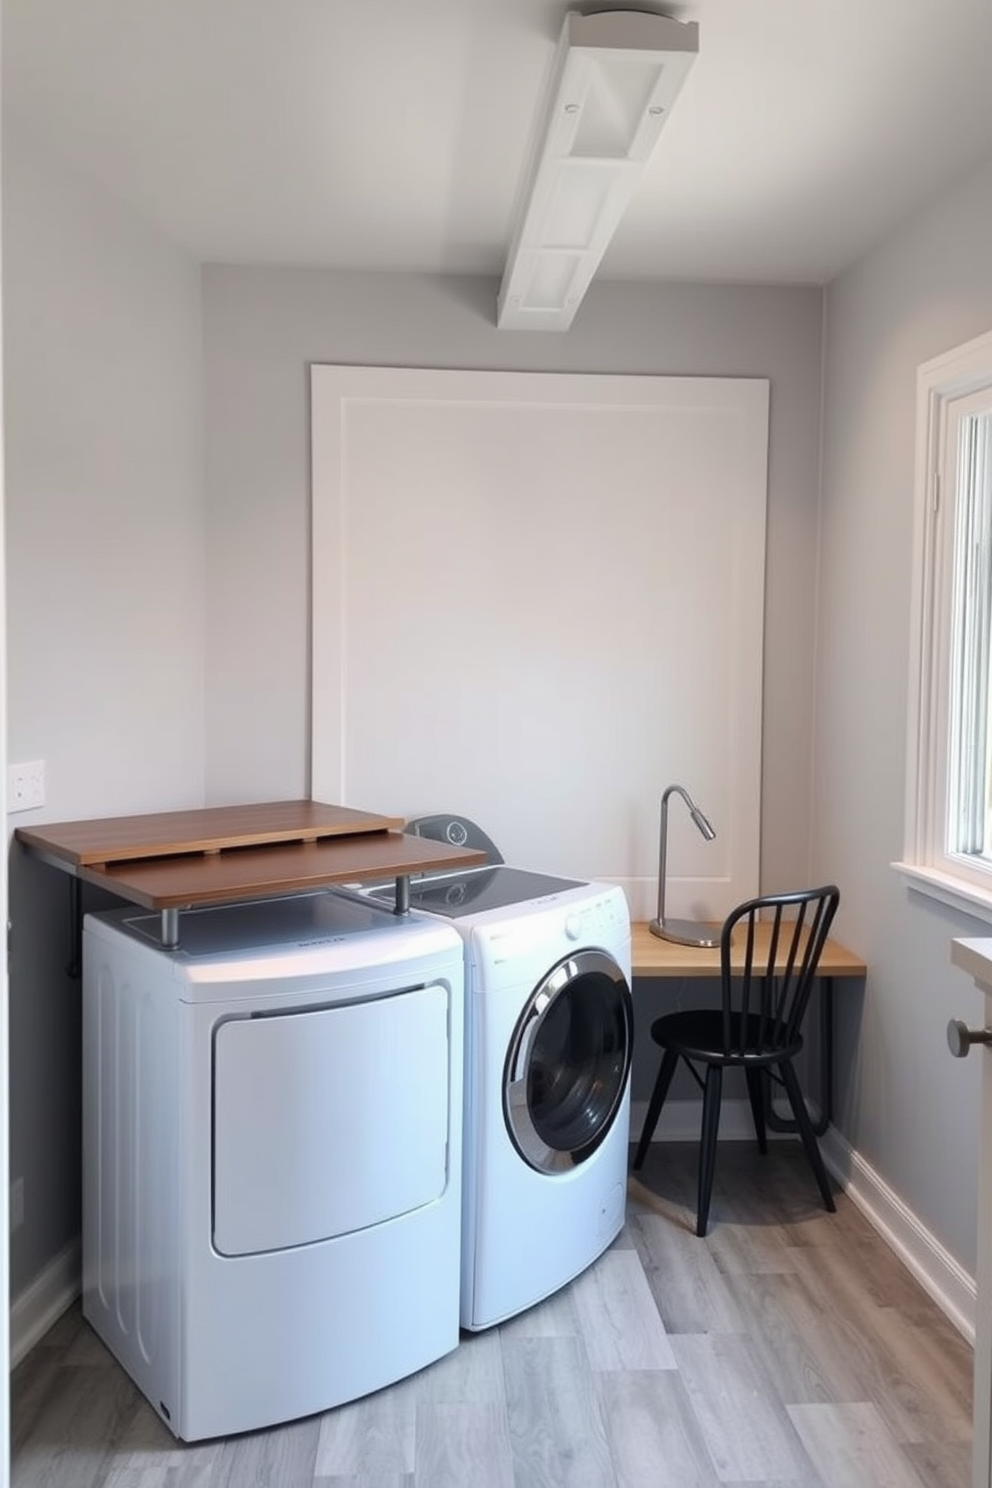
788	1349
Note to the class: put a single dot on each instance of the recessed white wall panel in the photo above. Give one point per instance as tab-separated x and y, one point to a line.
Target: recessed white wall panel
538	600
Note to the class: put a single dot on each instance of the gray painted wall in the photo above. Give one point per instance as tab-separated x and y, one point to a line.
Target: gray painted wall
907	1107
108	554
110	546
105	558
263	328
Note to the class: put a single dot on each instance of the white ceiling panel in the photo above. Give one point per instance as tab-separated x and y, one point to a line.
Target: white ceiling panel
377	134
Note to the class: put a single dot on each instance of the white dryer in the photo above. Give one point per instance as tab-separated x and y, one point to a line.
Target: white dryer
272	1154
549	1036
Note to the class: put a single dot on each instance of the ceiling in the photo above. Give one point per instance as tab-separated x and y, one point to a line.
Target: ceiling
391	135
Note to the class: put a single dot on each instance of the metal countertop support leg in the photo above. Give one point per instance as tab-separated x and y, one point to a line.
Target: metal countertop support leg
170	929
75	966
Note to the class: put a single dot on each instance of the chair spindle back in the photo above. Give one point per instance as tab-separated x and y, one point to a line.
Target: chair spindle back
765	998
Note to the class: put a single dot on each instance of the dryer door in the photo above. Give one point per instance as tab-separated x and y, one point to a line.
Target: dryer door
330	1120
568	1062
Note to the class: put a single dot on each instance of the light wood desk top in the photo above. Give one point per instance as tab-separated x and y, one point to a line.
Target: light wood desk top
652	956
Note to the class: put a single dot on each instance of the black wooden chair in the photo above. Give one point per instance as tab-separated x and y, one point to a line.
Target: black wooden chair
779	938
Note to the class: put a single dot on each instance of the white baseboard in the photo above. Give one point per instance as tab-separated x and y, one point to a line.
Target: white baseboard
681	1120
44	1300
939	1274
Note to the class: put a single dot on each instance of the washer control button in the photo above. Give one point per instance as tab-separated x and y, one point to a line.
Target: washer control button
573	926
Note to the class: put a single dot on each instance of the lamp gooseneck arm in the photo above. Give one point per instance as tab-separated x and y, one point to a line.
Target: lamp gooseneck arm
663	839
663	852
687	933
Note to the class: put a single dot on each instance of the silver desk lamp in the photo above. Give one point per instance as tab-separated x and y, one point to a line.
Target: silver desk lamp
685	932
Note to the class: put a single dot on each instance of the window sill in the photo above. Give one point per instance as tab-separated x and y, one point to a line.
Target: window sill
969	898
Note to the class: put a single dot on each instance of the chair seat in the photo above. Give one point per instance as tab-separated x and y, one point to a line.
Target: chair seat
698	1034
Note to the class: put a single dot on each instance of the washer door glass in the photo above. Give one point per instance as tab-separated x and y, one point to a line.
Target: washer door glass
567	1066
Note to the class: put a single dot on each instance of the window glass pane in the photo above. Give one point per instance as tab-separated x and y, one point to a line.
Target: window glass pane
969	804
948	838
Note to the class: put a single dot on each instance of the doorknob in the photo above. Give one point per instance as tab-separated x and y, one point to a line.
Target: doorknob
960	1037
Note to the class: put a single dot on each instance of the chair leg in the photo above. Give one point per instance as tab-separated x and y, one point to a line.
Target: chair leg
805	1126
712	1092
756	1095
665	1072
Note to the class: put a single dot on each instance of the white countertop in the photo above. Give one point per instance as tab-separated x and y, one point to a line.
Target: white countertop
974	956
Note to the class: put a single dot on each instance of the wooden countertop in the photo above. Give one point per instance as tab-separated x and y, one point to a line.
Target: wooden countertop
175	859
652	956
218	855
116	839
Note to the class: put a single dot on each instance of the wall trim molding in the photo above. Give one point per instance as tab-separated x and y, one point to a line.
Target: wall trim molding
681	1121
940	1275
43	1301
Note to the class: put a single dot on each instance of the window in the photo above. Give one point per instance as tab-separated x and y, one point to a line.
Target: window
949	781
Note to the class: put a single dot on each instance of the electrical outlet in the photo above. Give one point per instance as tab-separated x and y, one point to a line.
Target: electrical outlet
26	786
16	1204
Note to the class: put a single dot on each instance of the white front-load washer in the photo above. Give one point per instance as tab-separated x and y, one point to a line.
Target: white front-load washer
272	1119
549	1036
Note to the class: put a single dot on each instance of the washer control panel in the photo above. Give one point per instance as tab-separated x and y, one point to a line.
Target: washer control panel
534	935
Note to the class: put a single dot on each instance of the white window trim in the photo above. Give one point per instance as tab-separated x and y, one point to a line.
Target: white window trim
955	374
